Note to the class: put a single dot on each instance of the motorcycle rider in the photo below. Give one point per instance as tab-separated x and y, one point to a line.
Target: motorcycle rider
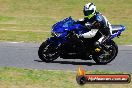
95	22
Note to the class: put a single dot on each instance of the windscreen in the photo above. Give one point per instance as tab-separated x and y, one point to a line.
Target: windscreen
66	23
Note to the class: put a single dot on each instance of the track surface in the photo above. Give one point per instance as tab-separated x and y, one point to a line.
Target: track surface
24	55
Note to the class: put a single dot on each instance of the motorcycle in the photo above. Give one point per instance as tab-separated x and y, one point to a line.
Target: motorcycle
66	44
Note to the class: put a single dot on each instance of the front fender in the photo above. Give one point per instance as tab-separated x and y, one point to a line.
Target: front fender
56	40
52	40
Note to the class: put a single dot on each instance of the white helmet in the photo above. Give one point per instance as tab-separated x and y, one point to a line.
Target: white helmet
89	10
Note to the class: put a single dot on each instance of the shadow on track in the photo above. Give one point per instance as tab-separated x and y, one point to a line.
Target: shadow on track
72	62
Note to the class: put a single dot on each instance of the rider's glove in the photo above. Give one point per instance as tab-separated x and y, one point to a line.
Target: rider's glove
88	25
80	36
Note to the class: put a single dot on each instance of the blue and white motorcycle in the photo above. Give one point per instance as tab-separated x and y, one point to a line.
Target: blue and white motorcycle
66	44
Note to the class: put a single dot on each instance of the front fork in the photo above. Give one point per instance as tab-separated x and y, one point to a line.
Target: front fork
55	41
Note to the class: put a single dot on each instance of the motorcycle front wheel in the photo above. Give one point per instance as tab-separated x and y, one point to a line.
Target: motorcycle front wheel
48	52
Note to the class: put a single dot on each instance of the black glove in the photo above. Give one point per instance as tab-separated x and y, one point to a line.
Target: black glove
80	36
88	25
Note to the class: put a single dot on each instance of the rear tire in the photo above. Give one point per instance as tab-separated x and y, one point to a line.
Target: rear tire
48	52
114	52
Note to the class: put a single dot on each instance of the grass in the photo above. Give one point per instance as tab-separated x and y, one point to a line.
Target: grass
29	21
24	78
23	36
32	16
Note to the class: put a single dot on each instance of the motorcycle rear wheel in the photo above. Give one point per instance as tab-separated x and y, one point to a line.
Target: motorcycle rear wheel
112	54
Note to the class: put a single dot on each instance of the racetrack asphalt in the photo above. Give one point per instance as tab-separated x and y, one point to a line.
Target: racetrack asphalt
24	55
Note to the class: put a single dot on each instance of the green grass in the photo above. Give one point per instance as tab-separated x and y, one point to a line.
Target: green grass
25	78
23	36
39	15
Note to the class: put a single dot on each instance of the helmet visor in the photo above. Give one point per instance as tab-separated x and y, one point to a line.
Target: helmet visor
89	12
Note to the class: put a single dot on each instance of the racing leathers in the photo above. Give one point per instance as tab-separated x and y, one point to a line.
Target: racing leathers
98	23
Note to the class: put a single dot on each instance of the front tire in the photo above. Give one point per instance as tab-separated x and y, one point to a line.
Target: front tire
113	51
48	52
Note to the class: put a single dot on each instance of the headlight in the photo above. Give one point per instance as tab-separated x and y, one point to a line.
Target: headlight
55	33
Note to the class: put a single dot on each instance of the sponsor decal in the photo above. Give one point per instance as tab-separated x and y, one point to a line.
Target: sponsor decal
83	78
